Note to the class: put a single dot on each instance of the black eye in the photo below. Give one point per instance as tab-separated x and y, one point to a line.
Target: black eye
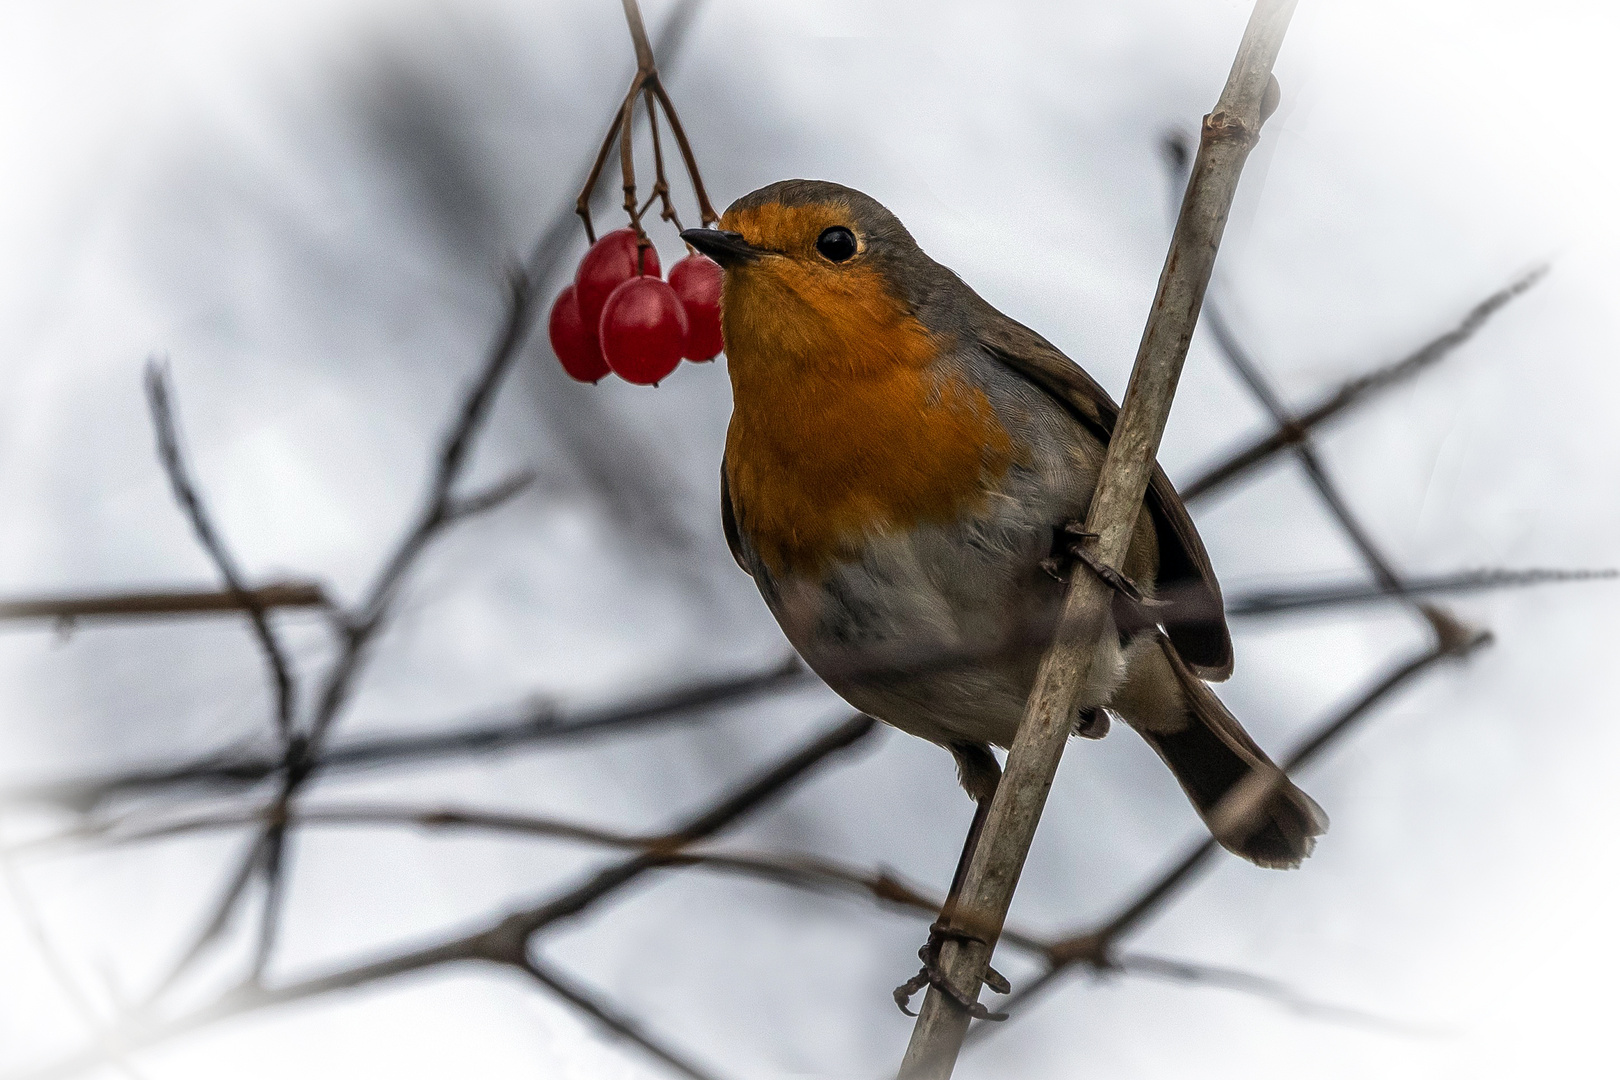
836	244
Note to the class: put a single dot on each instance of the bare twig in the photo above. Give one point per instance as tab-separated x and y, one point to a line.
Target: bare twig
1260	986
1341	594
1229	132
1239	358
71	609
1093	946
616	1022
360	629
802	872
220	915
535	726
166	428
506	940
1358	391
491	498
647	81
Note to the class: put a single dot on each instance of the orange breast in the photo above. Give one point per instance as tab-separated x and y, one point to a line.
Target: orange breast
843	428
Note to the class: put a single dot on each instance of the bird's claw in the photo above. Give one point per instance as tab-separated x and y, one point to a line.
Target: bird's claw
931	974
1066	553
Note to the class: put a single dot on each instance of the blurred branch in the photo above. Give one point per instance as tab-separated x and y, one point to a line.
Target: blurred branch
802	872
360	627
506	941
1341	594
1357	391
1259	986
540	724
1247	369
441	509
1066	671
625	1027
67	610
491	498
282	681
1093	947
33	925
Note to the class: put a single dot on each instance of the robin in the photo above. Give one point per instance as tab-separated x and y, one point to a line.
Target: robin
903	472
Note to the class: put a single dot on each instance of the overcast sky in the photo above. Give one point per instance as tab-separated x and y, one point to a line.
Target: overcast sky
306	205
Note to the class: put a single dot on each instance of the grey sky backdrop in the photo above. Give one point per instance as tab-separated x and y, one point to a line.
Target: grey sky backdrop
306	203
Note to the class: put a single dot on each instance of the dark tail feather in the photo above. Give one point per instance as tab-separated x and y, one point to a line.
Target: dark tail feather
1211	755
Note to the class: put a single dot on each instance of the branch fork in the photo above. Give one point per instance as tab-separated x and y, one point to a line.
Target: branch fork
648	85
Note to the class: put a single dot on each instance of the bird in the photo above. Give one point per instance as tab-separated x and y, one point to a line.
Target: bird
904	475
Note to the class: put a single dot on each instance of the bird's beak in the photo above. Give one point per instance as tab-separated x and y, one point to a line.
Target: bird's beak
726	248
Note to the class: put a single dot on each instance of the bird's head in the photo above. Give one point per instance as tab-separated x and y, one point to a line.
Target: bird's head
820	279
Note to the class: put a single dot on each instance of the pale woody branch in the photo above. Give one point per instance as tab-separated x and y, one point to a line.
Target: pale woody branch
1229	132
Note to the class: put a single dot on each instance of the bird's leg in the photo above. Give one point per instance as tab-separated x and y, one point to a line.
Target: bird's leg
931	974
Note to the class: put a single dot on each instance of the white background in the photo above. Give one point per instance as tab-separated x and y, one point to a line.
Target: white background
305	205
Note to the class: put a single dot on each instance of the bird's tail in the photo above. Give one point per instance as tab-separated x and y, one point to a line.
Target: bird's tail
1249	804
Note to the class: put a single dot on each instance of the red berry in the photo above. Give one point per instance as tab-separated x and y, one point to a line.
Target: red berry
696	280
575	345
643	330
611	261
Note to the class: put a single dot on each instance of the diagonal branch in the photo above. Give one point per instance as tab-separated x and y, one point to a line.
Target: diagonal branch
1065	673
1242	362
616	1022
1093	947
165	427
1358	391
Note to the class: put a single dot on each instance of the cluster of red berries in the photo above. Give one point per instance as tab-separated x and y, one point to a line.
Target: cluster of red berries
619	316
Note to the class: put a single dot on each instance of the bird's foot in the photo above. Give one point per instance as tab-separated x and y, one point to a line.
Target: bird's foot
1068	548
932	974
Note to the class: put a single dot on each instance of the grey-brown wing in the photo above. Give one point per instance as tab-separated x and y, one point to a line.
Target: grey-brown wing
1196	616
728	519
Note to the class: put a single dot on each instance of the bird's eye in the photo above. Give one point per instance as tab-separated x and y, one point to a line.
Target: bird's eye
836	244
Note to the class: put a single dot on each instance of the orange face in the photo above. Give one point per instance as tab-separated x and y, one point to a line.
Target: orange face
844	427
